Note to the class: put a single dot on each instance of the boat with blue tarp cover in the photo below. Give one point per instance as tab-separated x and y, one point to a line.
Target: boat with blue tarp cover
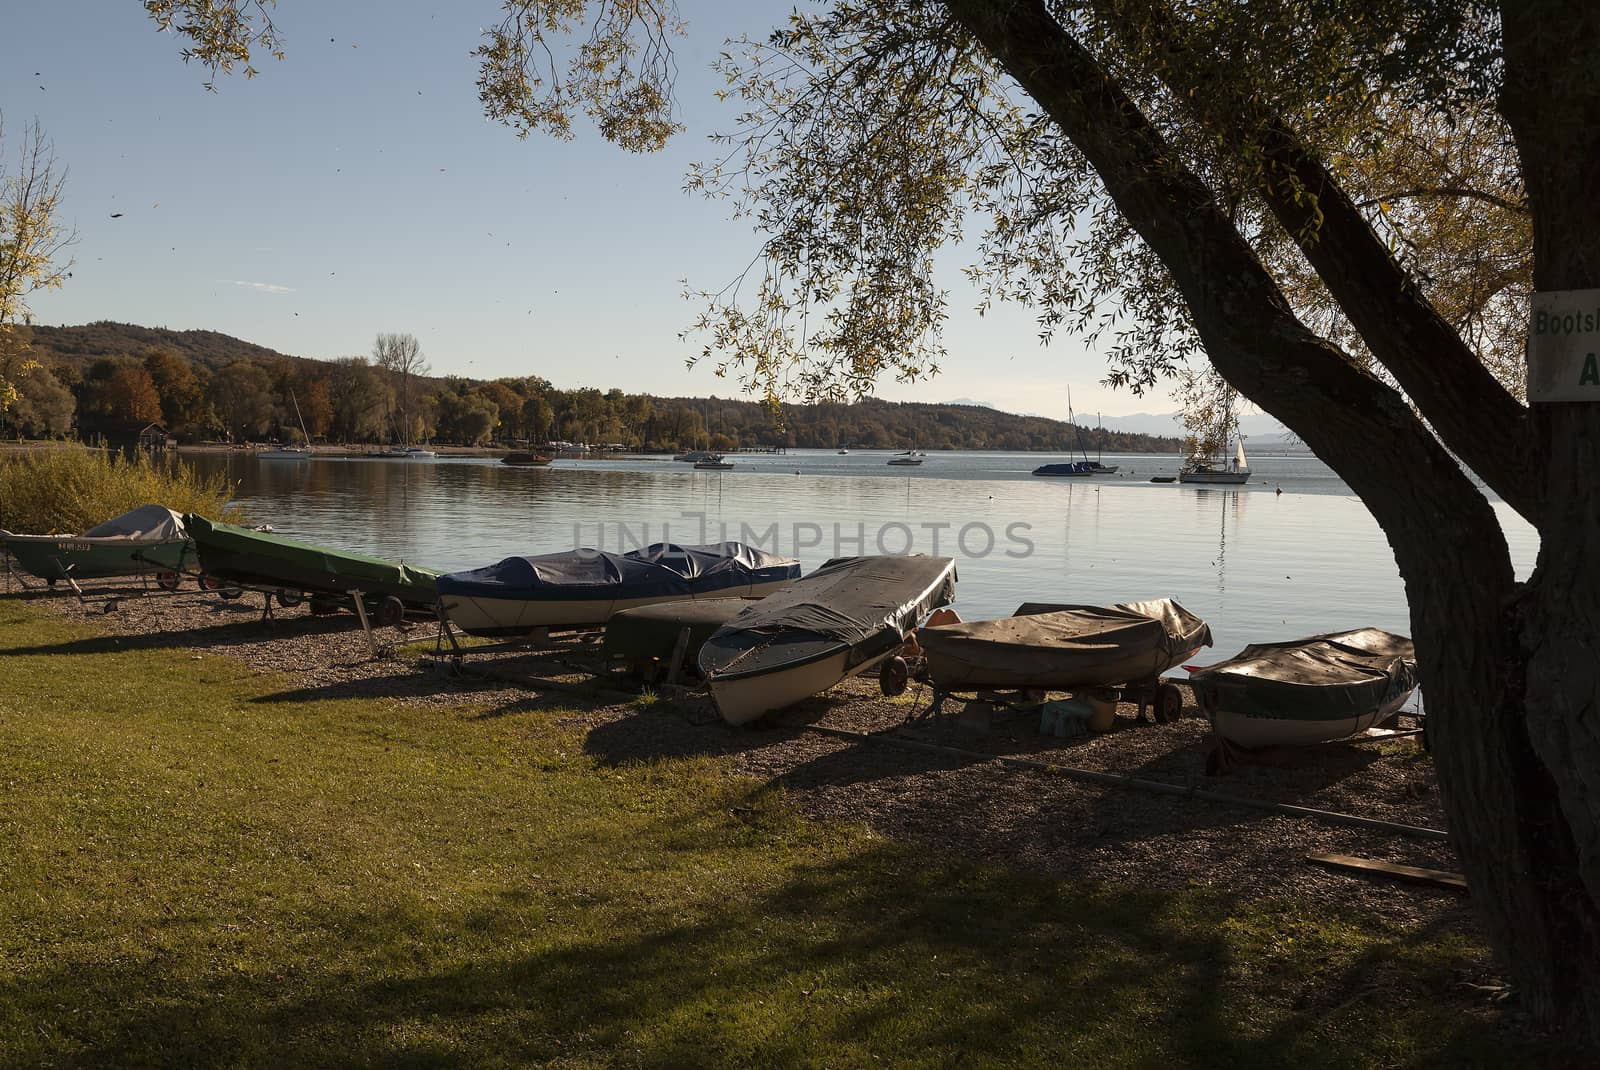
583	588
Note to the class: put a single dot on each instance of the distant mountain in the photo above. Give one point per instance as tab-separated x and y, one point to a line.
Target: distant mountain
974	402
1171	424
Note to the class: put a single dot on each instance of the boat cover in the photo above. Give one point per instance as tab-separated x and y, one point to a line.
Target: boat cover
1064	647
1323	677
662	570
152	523
257	558
849	601
652	631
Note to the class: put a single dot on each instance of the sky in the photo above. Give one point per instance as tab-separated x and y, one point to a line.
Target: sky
355	188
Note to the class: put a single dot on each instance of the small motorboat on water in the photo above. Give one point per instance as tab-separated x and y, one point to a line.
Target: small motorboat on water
584	588
714	462
1311	690
1064	648
151	538
839	621
248	557
909	457
523	459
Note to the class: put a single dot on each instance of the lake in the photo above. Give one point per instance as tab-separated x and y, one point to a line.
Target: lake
1256	564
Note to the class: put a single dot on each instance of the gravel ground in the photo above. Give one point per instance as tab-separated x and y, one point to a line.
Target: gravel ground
967	803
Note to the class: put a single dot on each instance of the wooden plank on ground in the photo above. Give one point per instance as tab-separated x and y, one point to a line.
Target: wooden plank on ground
1442	878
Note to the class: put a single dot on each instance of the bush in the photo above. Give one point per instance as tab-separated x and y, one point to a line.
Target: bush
73	488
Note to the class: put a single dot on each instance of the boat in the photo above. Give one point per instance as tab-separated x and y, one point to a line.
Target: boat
844	451
523	459
291	453
231	554
148	539
404	453
1163	479
1065	468
1200	470
1304	691
1063	647
714	462
584	588
649	635
1203	466
909	457
841	620
285	453
694	456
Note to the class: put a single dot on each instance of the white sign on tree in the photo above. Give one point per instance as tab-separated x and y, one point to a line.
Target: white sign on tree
1563	343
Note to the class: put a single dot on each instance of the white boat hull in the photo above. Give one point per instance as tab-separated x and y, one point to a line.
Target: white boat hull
742	699
1247	731
511	616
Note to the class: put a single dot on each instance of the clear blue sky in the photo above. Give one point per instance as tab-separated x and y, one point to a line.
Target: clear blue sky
355	188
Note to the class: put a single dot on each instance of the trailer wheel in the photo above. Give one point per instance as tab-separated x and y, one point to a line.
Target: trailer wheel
209	582
168	581
1169	704
228	594
290	599
51	582
391	612
894	675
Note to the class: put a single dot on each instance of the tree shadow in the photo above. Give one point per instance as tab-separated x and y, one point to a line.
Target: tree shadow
903	960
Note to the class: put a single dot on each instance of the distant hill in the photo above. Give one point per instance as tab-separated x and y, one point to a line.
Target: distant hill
589	415
79	346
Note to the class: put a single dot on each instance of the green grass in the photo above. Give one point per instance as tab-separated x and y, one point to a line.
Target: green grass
199	871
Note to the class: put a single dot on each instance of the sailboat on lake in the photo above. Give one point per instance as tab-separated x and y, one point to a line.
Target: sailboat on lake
1203	466
1082	468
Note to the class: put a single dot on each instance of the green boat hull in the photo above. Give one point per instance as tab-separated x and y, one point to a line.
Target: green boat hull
260	559
51	557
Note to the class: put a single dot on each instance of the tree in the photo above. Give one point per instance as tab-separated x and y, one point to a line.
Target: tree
466	418
32	240
1183	180
182	396
360	401
44	406
242	396
400	355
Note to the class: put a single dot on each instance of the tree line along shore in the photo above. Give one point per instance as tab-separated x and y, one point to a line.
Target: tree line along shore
108	379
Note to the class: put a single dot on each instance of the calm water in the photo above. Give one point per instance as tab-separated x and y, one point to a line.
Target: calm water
1255	564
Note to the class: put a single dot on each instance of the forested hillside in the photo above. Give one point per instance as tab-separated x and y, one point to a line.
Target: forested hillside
108	377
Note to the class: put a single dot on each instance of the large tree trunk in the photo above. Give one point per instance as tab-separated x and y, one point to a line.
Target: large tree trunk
1551	99
1507	821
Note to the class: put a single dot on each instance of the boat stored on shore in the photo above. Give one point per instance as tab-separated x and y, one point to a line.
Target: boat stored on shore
583	588
1063	647
148	539
839	621
1311	690
231	554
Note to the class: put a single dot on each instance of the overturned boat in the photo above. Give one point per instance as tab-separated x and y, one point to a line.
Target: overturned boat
1311	690
149	539
229	553
583	588
1063	647
839	621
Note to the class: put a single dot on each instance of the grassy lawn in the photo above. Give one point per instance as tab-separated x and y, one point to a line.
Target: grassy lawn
190	875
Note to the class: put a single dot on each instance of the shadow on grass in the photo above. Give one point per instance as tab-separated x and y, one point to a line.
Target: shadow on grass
880	957
241	628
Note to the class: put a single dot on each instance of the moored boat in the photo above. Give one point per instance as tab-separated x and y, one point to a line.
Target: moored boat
525	459
839	621
1065	469
908	458
252	558
1064	647
583	588
714	462
148	539
1311	690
